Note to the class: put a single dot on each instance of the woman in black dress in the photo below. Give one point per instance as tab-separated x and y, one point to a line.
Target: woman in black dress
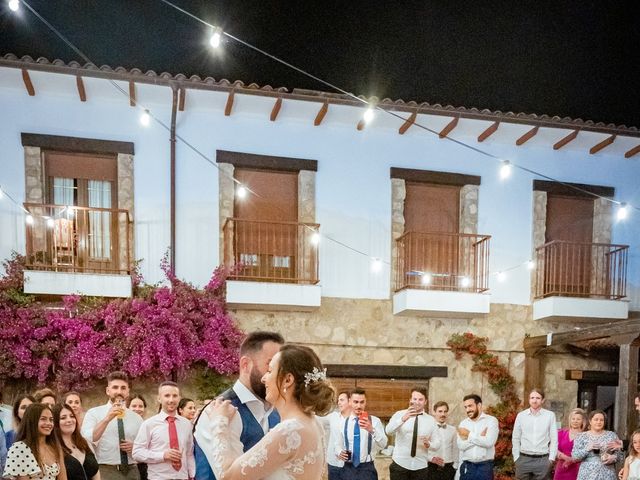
79	460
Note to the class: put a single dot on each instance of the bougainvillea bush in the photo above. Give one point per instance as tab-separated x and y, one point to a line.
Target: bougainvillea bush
162	332
503	384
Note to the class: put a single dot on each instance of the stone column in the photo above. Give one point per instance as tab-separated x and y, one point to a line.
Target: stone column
307	257
599	282
398	195
35	193
468	260
226	197
538	238
125	232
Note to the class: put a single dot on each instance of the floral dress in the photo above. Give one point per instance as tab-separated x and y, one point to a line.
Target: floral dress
22	463
289	451
592	467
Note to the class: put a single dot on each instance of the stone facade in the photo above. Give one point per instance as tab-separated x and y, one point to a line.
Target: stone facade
126	202
469	209
398	194
602	225
306	196
226	198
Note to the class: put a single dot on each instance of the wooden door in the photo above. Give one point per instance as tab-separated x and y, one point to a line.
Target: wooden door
266	235
432	215
568	265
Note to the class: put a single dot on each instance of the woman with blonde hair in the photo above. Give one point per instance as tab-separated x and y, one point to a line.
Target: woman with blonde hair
567	466
296	384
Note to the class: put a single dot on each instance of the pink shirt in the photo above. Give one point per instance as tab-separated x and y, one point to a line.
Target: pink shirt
153	440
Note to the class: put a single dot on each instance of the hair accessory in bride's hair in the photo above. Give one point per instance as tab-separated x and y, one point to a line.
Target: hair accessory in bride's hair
315	376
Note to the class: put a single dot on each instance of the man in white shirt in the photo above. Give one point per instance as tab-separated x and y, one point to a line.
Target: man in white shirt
415	432
111	429
535	439
477	435
256	416
331	424
358	440
443	461
165	441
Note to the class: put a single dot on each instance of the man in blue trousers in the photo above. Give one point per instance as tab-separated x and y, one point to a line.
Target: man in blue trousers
248	396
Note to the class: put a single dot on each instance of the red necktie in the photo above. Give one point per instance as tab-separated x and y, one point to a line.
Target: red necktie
173	440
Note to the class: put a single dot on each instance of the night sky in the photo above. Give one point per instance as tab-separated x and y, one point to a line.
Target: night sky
576	58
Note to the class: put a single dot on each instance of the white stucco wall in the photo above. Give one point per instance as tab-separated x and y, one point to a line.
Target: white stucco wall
353	187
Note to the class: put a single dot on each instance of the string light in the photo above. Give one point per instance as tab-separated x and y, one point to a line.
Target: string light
376	265
623	212
145	118
50	222
29	219
241	191
501	276
216	37
426	279
315	238
1	193
14	5
465	282
505	170
368	115
531	264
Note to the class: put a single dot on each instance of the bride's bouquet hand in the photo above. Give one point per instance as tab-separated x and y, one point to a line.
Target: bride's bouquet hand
221	407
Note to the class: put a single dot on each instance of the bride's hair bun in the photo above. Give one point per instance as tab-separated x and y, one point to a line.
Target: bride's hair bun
311	387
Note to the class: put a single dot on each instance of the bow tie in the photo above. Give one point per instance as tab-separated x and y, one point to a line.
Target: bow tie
442	425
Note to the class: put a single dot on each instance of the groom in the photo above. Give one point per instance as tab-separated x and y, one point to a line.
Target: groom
256	416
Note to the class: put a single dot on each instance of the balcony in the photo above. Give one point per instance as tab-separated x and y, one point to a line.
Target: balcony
78	250
441	274
581	281
276	264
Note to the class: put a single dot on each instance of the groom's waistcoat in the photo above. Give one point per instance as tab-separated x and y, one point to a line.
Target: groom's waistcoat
251	434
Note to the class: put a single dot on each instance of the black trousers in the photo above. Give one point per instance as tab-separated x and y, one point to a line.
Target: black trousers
364	471
446	472
396	472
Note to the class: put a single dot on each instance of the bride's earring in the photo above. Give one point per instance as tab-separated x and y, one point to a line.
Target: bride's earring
285	389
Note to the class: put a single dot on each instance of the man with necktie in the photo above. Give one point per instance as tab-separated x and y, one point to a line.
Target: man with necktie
111	429
415	432
360	437
443	460
165	441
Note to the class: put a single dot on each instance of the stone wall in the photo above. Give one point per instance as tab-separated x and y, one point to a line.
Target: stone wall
226	197
126	202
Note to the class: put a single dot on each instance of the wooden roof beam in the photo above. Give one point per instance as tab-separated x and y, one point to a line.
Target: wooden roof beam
81	90
28	83
605	143
276	109
408	122
132	93
449	128
634	151
182	96
229	106
489	131
561	143
527	136
321	113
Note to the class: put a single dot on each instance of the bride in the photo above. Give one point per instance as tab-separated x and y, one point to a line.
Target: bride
297	386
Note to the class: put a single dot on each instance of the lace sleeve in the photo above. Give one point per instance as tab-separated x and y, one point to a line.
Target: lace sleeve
275	451
226	448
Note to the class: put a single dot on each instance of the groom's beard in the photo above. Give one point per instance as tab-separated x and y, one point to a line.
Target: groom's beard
255	379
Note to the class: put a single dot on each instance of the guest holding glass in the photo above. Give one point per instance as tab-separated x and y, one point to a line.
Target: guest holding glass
79	460
598	449
567	466
19	407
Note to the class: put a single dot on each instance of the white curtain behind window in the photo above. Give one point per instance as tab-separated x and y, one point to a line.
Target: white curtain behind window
99	222
63	191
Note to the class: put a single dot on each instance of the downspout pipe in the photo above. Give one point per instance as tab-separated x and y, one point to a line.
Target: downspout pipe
172	141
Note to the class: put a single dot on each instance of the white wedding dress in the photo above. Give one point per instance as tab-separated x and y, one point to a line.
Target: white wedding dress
292	450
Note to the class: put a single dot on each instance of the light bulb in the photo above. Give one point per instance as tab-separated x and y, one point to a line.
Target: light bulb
623	211
29	219
1	193
50	222
501	276
315	238
465	282
426	279
14	5
241	191
145	118
369	113
376	264
216	38
531	264
505	170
